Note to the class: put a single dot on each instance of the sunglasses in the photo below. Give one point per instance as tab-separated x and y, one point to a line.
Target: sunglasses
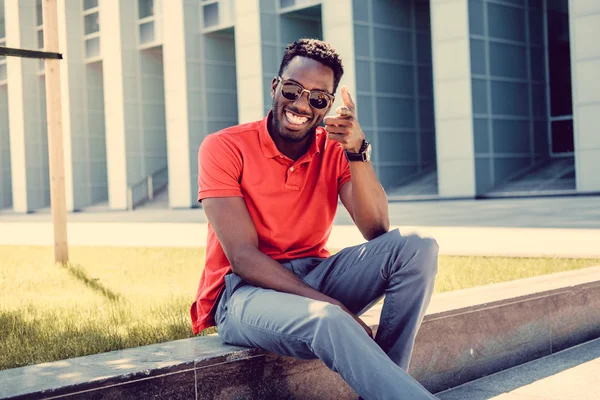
316	98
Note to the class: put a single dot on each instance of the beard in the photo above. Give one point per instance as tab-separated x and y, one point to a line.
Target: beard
287	135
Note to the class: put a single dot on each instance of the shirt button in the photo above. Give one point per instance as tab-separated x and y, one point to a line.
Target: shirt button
292	169
280	156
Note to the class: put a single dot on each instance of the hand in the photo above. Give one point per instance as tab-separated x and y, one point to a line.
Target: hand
360	321
345	128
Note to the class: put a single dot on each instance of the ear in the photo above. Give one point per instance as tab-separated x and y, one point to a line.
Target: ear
274	87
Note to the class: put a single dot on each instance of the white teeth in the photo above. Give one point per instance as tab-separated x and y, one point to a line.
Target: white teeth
294	119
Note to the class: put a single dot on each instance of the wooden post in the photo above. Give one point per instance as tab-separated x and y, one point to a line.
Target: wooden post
55	134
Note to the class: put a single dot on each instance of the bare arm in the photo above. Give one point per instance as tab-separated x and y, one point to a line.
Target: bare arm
236	232
232	224
363	196
366	201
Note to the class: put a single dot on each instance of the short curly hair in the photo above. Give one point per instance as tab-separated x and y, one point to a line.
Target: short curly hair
317	50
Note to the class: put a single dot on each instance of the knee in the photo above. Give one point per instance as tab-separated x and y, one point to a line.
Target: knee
330	318
428	248
425	253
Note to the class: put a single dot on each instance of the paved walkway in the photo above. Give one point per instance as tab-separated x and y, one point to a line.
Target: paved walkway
578	212
561	227
568	375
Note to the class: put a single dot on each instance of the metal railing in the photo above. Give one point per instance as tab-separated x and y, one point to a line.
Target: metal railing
151	188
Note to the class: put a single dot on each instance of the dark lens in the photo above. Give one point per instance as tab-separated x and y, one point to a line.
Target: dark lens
290	91
319	100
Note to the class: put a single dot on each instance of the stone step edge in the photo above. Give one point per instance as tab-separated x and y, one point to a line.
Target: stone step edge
99	370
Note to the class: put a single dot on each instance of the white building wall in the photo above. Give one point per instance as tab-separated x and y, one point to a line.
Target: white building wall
119	86
97	191
177	43
584	21
152	104
452	93
26	107
338	30
127	156
83	114
5	170
5	173
248	53
200	91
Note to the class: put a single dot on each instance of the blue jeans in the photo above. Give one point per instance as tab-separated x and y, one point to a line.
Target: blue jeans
403	268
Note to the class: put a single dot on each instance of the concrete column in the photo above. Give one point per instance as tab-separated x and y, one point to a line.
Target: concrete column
200	92
338	30
584	22
70	25
26	95
5	174
248	54
121	86
453	104
175	44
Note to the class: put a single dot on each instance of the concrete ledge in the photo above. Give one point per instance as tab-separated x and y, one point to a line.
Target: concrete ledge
460	345
196	368
466	335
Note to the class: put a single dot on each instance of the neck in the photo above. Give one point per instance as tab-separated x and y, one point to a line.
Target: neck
293	150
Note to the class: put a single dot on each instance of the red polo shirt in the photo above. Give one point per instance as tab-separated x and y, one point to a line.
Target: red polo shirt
292	203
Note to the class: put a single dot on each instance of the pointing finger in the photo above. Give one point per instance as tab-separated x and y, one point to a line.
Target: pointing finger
343	111
347	99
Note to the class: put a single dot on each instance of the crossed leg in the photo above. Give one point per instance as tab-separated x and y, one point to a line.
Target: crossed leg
402	268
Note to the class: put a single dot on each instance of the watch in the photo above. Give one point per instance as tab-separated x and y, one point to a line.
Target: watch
363	155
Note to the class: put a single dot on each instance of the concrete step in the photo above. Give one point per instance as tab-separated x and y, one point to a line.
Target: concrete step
466	335
570	374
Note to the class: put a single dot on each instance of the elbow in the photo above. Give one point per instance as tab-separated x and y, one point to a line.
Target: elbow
377	230
238	260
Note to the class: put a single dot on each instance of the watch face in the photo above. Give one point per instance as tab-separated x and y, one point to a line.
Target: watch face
368	152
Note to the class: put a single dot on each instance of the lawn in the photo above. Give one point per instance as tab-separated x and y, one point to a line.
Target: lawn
114	298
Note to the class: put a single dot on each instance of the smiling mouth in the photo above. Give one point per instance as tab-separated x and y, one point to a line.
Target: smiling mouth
295	119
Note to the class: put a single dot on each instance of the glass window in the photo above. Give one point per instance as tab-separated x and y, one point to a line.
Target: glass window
92	47
286	3
146	8
558	6
562	136
92	23
211	15
40	38
87	4
39	15
476	19
147	32
505	22
559	63
2	27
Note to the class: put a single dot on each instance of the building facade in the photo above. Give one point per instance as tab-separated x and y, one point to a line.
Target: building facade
461	98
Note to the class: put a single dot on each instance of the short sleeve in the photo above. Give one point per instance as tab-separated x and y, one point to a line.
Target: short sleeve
344	168
219	168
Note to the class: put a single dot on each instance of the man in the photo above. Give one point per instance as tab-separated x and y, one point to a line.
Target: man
269	190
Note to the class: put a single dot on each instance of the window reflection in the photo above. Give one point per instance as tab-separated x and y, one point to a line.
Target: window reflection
146	8
559	58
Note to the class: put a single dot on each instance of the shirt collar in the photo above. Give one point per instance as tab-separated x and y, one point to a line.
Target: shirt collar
270	150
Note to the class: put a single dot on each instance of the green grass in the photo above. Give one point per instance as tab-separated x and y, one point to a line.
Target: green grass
115	298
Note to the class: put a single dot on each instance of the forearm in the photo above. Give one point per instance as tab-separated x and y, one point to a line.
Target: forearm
369	201
260	270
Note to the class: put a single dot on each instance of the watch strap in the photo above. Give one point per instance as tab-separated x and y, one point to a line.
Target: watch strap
361	155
